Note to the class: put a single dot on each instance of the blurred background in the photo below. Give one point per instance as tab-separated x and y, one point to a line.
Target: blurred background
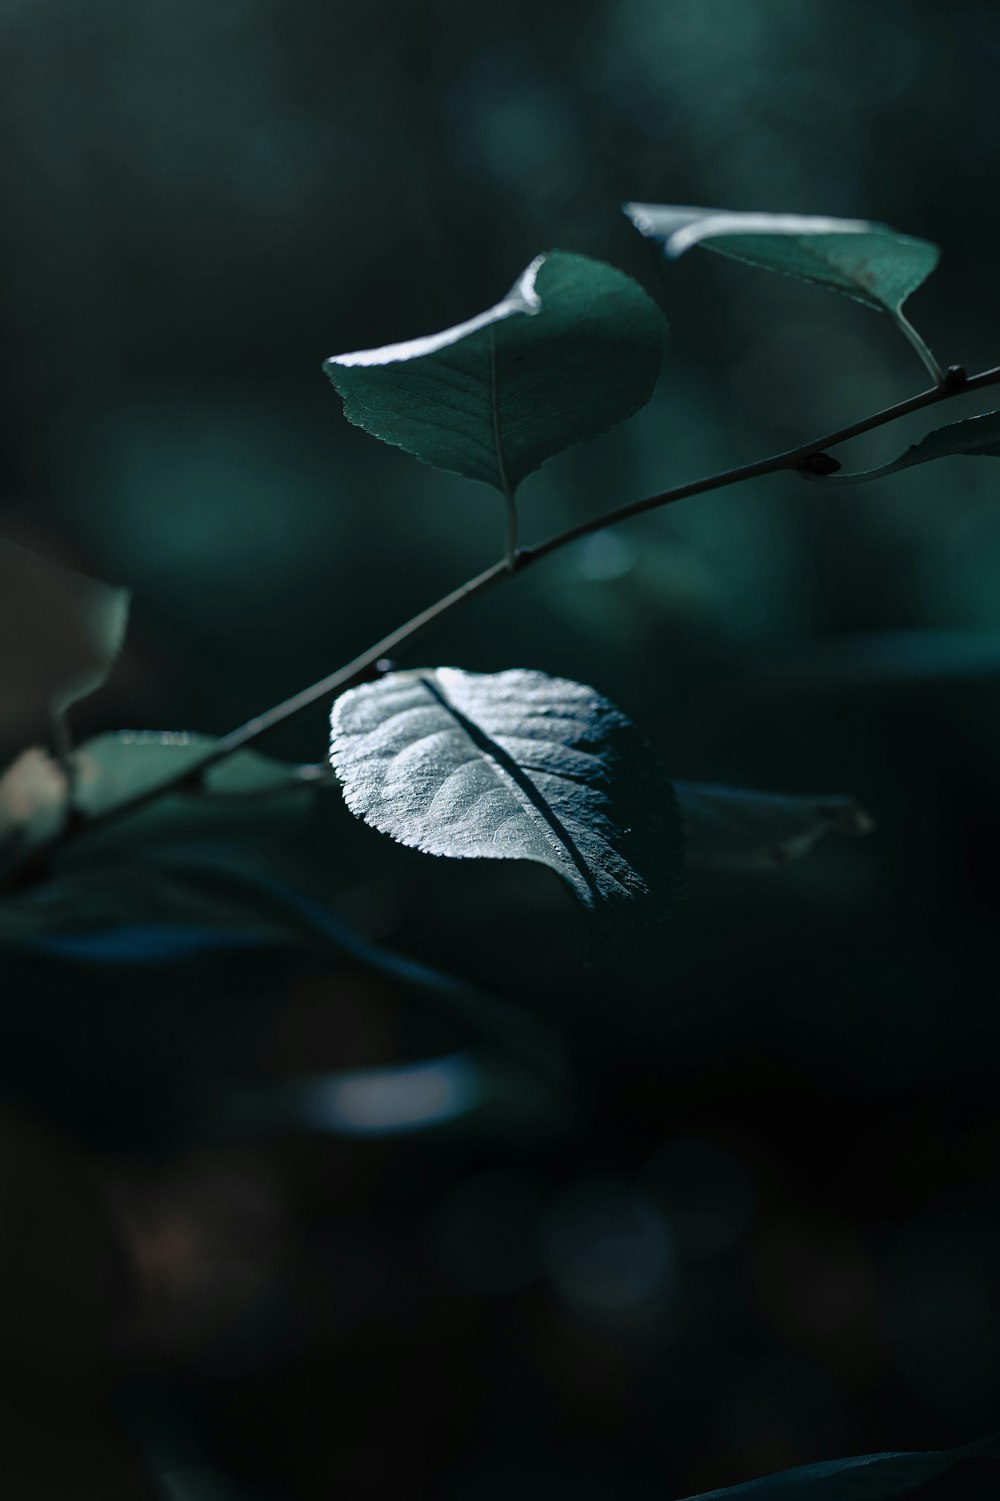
760	1225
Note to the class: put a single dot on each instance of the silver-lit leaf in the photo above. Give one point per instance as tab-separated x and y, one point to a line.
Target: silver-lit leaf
515	766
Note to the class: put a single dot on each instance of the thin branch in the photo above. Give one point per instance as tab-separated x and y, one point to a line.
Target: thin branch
362	666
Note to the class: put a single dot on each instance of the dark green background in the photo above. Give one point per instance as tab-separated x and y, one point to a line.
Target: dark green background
202	200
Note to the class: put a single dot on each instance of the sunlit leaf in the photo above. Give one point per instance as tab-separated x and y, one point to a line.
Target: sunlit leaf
574	348
729	828
974	436
970	1473
869	262
59	636
515	766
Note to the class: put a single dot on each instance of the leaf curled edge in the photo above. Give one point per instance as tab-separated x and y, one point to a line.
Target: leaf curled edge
574	348
862	259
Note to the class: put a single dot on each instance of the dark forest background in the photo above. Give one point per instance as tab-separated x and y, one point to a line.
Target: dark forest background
766	1230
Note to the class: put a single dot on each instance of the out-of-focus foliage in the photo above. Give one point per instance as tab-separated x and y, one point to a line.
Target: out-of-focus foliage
59	635
735	829
771	1235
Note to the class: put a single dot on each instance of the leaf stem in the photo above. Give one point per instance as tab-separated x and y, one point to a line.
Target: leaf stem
515	562
509	491
920	345
510	549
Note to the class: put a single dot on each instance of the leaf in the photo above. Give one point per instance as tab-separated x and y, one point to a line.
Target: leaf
59	636
231	800
975	436
870	263
574	348
113	768
972	1474
515	766
234	800
185	901
729	828
34	801
133	912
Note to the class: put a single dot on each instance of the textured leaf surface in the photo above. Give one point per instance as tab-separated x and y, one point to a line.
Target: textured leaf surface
729	828
974	436
968	1474
515	766
869	262
59	636
574	348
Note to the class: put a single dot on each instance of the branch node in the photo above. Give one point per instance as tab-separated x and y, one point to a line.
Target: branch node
820	464
954	378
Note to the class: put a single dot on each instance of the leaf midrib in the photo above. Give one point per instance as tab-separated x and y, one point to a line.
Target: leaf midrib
499	761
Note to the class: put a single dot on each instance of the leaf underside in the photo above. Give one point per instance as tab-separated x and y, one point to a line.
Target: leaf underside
573	349
515	765
868	262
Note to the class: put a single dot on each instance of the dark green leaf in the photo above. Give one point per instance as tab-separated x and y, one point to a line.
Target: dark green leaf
729	828
969	1472
59	635
574	348
231	800
868	262
975	436
516	766
113	768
